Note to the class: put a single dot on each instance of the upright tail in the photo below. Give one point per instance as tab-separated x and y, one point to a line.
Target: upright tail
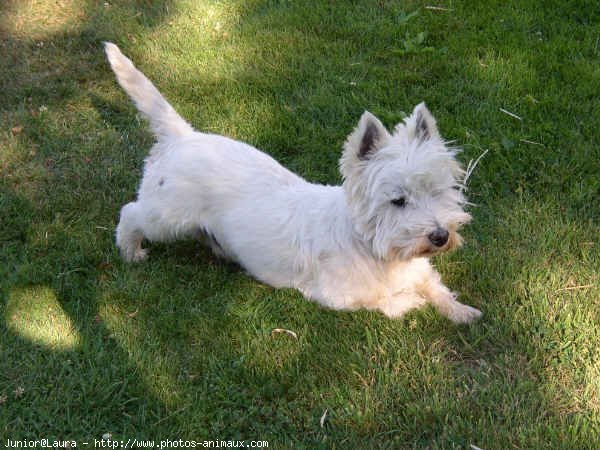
164	121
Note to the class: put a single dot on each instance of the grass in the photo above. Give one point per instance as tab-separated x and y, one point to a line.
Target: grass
180	346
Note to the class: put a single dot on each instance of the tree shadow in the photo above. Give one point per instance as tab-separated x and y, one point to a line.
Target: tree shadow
94	387
183	343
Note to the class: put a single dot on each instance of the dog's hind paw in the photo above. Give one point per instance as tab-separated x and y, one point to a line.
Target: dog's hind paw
134	254
139	255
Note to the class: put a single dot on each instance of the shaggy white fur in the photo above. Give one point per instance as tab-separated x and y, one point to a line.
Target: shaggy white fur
360	245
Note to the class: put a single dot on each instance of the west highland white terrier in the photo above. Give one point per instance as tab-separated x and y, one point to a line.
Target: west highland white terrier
364	244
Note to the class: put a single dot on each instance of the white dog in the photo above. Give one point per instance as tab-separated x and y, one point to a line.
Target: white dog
360	245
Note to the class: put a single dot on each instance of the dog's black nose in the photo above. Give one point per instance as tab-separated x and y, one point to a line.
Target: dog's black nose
439	237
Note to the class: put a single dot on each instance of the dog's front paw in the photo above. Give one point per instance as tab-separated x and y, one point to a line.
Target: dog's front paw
460	313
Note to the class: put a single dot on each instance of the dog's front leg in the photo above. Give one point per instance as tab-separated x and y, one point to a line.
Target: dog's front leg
445	301
400	303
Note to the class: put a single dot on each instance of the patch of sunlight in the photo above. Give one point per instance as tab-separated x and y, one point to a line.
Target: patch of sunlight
592	387
508	72
39	19
576	383
201	42
12	150
202	20
143	349
35	314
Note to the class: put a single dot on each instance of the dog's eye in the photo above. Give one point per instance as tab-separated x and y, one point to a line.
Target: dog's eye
399	202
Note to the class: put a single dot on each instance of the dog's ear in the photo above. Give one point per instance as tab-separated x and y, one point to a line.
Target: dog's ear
369	136
420	125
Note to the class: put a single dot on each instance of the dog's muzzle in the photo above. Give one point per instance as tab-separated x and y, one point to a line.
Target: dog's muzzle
438	237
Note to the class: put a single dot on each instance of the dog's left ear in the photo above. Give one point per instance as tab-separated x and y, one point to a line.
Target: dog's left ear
420	125
369	136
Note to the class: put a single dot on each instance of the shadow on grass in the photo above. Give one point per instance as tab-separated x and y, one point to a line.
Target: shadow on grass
70	376
183	345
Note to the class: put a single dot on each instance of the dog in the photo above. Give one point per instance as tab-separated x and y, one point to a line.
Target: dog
364	244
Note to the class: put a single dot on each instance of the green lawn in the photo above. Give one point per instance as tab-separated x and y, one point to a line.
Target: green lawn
181	346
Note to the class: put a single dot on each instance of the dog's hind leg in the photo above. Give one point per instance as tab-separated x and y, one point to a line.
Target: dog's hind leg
130	234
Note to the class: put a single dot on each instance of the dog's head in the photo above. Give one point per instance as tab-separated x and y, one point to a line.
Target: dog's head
403	189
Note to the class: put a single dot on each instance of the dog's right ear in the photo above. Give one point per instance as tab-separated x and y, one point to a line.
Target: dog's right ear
369	136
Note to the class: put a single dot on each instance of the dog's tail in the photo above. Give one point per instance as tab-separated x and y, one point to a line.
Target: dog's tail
164	121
